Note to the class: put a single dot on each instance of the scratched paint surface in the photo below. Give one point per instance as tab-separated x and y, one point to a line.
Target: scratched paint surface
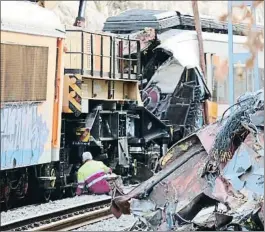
23	135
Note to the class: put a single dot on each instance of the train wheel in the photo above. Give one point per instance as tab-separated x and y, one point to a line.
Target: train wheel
71	192
53	174
57	194
48	192
8	204
8	198
47	195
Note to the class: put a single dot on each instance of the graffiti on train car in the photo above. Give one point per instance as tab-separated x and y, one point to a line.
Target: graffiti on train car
155	101
23	135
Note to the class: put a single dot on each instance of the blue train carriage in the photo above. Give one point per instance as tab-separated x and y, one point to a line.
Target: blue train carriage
32	40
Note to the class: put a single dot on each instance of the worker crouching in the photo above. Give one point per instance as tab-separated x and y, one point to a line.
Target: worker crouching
92	176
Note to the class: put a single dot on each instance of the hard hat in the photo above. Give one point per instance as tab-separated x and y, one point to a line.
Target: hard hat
87	156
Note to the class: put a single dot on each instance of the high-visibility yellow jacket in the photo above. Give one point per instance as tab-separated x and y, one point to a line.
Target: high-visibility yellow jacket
92	176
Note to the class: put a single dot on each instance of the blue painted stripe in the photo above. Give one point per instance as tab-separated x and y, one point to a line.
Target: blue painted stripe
23	158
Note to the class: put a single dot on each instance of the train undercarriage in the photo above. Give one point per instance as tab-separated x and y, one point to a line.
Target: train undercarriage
108	135
122	136
27	185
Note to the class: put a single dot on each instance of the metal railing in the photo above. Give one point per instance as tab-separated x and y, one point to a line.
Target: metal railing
115	57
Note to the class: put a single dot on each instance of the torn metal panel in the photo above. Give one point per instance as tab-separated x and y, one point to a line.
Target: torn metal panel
180	104
145	36
181	46
222	190
192	179
183	184
246	169
256	142
238	166
143	207
172	70
258	118
207	135
144	189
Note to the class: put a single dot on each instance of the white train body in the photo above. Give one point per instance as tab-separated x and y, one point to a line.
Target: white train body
184	46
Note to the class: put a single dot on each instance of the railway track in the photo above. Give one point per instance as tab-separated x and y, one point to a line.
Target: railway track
67	219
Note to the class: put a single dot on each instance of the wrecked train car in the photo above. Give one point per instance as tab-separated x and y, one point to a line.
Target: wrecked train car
165	35
172	86
210	180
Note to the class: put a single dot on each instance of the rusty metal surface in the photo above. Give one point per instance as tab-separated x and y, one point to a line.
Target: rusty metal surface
192	179
207	135
122	202
145	37
183	184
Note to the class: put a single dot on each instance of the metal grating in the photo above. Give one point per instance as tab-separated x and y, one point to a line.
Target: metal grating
23	73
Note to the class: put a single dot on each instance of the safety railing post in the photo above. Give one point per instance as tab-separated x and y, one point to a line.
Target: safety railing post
239	57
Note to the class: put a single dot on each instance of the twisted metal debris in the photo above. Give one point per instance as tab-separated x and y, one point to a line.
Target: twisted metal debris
195	192
233	130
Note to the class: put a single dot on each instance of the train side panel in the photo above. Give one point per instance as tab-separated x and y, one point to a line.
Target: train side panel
28	67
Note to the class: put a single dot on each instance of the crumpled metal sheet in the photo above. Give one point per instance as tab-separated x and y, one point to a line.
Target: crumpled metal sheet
246	169
239	183
145	37
182	185
258	118
142	207
238	166
207	135
181	48
122	202
256	143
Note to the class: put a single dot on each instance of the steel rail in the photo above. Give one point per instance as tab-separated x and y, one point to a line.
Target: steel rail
76	221
73	217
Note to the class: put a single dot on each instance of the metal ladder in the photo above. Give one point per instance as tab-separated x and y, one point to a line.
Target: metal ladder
239	57
63	157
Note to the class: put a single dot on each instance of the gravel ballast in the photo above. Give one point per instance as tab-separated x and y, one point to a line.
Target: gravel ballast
111	224
46	208
30	211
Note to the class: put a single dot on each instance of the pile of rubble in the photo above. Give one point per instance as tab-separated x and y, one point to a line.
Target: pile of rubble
211	180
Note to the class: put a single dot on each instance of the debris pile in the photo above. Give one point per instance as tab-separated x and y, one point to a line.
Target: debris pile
211	180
